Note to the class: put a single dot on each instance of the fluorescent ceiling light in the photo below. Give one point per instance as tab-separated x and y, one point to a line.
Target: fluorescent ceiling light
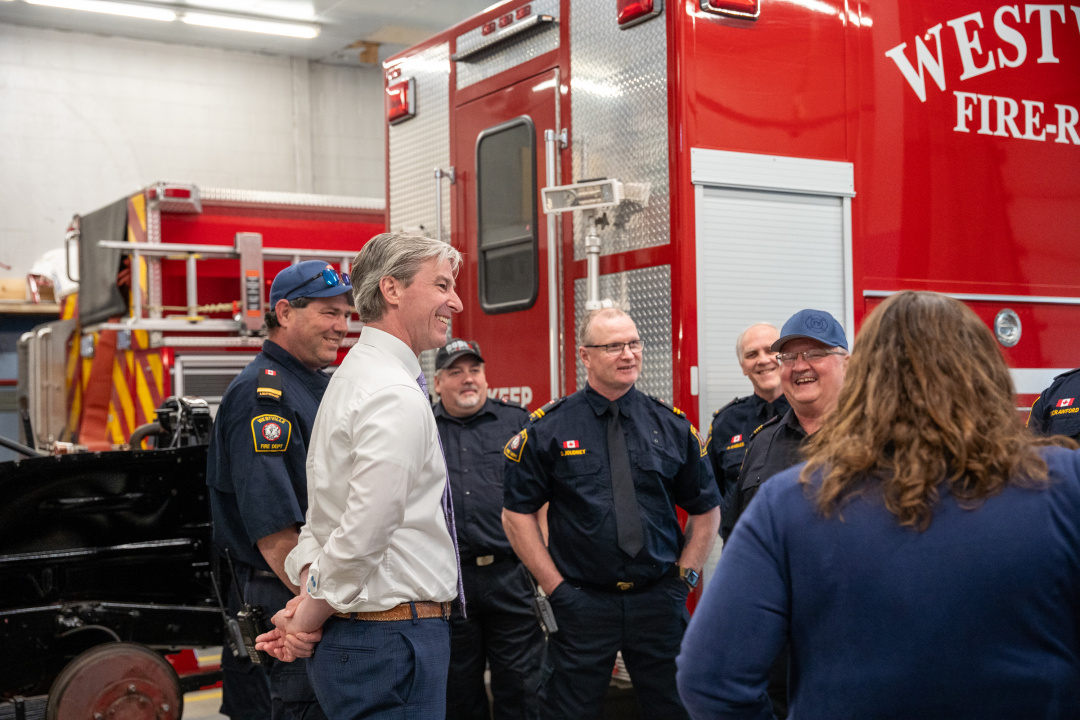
229	22
144	12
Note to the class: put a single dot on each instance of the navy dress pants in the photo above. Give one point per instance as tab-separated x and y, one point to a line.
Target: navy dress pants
501	631
382	670
648	627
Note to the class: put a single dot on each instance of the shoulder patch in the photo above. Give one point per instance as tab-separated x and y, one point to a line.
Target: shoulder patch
702	442
271	433
541	412
269	385
516	445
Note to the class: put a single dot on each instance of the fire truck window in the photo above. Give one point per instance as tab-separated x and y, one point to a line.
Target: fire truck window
507	240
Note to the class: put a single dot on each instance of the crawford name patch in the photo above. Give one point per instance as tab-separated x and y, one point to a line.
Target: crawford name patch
271	433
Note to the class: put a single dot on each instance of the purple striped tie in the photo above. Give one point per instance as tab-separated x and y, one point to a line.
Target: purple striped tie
448	508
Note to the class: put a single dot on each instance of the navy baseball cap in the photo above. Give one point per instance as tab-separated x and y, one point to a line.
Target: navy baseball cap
454	349
311	278
814	324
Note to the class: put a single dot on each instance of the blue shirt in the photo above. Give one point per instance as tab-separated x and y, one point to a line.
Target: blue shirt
562	457
255	465
976	617
474	460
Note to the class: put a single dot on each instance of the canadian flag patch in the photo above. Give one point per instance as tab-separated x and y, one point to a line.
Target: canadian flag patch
570	445
1065	402
737	438
270	372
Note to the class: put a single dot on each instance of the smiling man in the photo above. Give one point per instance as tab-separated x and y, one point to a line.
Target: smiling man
377	558
813	354
614	463
500	630
733	424
256	473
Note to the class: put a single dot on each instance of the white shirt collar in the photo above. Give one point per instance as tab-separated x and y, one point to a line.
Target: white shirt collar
393	345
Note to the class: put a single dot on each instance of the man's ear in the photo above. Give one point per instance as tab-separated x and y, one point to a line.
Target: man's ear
584	355
391	289
284	312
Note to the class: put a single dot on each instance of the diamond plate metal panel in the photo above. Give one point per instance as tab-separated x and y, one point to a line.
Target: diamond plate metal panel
513	52
619	110
264	197
646	295
420	144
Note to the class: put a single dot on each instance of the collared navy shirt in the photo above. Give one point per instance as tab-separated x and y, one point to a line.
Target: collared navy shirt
254	494
775	447
730	431
563	458
474	459
1057	410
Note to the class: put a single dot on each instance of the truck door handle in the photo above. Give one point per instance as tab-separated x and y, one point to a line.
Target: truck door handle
439	175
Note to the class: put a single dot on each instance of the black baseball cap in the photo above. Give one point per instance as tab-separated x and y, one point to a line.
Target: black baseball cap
454	349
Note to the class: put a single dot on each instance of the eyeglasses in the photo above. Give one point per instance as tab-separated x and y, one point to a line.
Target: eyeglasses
615	349
329	275
810	356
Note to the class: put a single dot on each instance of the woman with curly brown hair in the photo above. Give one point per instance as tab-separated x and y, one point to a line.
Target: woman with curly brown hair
925	561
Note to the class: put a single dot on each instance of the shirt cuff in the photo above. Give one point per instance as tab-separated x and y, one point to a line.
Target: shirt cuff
305	553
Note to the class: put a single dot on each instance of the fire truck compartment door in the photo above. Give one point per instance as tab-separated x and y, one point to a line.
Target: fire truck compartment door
773	237
501	157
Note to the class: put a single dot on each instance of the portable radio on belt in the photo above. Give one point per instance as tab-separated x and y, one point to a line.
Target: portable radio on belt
248	624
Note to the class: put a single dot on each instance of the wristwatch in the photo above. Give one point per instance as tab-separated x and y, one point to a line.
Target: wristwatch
690	577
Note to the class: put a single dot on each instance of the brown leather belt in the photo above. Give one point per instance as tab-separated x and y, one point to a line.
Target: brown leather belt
404	611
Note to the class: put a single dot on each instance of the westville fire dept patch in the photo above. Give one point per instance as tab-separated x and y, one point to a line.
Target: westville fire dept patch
516	445
271	433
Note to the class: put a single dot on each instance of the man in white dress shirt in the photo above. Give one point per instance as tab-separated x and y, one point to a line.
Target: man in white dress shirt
377	557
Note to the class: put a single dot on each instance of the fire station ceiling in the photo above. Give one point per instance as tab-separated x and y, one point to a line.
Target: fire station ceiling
353	32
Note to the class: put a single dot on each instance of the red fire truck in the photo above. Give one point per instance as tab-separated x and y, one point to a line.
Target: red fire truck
707	164
173	282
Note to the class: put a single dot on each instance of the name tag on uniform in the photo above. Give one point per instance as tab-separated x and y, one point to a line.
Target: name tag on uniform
271	433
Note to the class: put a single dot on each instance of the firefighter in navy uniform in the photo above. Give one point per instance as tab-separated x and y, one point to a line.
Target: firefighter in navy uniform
257	478
732	424
1057	410
501	629
812	351
613	463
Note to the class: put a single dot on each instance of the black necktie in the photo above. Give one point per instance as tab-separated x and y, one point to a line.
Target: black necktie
627	516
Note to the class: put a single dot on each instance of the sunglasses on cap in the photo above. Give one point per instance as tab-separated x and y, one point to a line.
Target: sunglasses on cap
329	276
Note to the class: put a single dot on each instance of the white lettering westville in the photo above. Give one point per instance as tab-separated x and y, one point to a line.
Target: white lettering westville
997	115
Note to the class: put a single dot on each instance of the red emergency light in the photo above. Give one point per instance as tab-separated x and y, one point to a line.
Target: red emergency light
635	12
748	9
400	101
506	20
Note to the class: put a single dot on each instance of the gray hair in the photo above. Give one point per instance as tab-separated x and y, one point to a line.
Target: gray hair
738	341
398	255
585	329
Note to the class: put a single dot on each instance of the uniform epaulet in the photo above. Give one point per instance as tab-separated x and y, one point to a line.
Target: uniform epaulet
541	412
668	405
1067	373
736	401
771	421
269	385
701	441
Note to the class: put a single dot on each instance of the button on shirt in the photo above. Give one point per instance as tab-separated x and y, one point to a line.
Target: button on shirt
256	494
376	535
564	460
730	431
474	457
1057	409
